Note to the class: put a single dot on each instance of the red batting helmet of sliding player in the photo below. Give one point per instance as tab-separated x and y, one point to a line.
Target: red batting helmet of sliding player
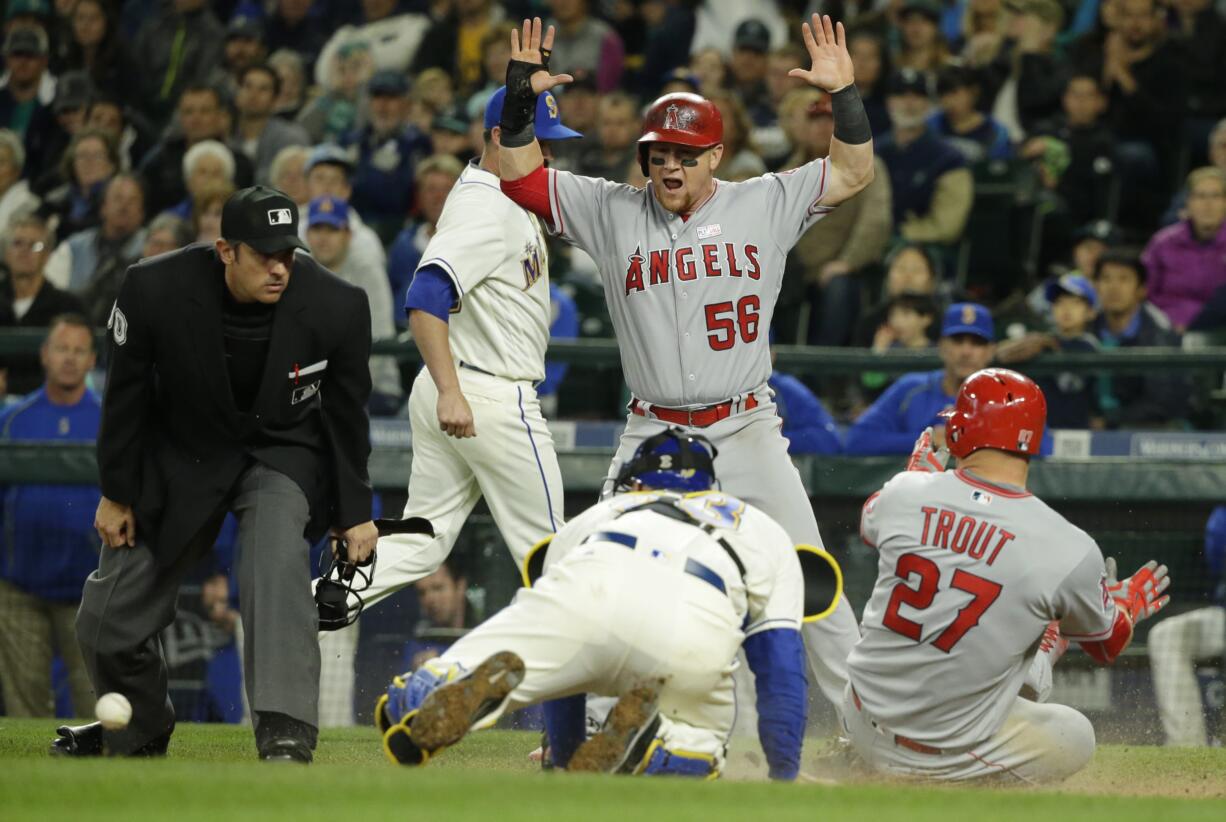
996	408
682	118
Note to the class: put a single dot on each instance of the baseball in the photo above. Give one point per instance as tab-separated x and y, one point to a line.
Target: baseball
113	711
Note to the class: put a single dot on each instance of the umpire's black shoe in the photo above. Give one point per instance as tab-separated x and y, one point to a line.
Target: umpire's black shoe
286	749
86	740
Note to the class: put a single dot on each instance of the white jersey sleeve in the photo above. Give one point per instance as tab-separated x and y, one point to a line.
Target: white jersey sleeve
774	583
791	200
471	241
1086	609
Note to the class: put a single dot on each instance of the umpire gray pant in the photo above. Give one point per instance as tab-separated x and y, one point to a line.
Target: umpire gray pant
129	600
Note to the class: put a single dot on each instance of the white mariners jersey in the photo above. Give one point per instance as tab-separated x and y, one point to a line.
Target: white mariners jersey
969	575
691	300
769	596
494	253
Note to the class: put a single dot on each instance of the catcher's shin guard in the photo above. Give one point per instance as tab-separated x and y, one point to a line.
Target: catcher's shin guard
662	761
623	741
451	711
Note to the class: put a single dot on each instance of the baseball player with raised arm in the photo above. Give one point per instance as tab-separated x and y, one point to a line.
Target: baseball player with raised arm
692	267
980	588
646	596
479	311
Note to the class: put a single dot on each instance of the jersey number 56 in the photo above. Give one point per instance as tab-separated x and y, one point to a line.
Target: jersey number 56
983	592
723	321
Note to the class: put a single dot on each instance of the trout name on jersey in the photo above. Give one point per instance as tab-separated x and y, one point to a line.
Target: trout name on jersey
962	534
716	260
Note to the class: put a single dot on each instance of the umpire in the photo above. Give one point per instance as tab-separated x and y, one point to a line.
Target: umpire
238	381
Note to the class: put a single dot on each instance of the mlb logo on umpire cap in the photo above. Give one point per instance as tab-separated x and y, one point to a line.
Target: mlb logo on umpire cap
279	216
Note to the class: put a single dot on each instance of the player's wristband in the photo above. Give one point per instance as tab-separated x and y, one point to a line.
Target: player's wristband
850	119
519	106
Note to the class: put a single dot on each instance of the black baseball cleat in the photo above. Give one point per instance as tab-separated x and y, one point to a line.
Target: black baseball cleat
450	712
627	732
87	740
286	749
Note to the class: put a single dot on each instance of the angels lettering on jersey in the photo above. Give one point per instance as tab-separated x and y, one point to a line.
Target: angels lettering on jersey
688	263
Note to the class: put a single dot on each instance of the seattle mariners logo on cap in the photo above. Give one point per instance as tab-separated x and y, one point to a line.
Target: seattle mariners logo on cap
552	105
968	314
279	216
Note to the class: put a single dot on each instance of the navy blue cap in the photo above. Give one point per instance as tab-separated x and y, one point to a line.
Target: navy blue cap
968	318
331	211
1074	284
548	118
388	83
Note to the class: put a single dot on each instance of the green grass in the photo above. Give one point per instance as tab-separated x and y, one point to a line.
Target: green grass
212	774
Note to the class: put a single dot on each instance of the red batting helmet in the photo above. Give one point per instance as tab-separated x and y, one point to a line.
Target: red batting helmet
996	408
682	118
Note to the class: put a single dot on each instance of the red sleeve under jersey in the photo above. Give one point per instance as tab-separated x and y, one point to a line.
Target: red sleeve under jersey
531	192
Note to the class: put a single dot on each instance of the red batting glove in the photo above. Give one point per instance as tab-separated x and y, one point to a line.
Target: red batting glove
924	457
1140	595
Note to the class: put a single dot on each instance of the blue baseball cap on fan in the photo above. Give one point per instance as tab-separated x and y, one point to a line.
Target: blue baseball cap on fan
548	118
1074	284
968	318
330	211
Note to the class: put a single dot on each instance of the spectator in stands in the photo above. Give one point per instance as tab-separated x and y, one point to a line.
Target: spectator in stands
915	401
436	176
292	72
1197	36
450	133
107	114
329	237
1071	396
832	253
333	114
563	325
1091	146
1217	158
747	69
97	49
741	160
47	532
15	195
200	118
579	104
982	32
179	46
166	232
1025	78
33	301
712	72
960	121
288	174
92	263
1127	320
295	26
872	65
206	165
73	91
91	160
1187	261
453	43
445	612
910	322
931	185
206	211
27	90
244	48
329	173
394	39
1176	643
617	133
910	269
496	46
669	32
921	46
586	43
807	425
258	133
388	151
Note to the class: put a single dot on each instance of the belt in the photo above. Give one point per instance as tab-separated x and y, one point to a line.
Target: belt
694	417
899	740
478	369
692	566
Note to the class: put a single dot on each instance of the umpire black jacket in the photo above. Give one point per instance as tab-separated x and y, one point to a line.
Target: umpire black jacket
172	443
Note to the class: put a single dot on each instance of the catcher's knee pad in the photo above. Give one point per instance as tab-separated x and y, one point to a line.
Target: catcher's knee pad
398	744
408	691
662	761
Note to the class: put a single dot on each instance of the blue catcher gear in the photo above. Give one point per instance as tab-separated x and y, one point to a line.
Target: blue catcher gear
672	460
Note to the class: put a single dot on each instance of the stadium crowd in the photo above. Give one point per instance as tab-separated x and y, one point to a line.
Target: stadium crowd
1051	175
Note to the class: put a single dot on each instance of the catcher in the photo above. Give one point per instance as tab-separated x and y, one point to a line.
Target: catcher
981	588
646	596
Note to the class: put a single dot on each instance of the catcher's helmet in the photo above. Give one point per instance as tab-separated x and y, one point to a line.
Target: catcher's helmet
682	118
671	461
340	582
996	408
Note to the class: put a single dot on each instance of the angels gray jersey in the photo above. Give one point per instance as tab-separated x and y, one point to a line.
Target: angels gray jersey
969	575
691	299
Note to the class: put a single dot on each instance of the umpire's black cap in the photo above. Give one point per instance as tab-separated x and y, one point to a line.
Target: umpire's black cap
263	218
